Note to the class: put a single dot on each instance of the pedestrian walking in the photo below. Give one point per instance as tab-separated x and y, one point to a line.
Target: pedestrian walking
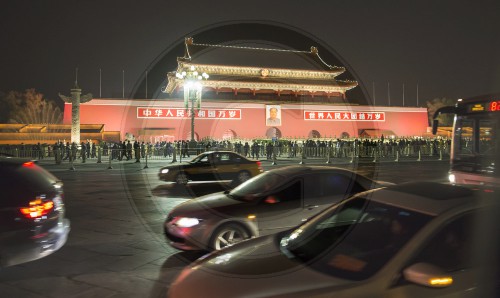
246	149
129	150
83	152
67	149
73	151
137	151
143	150
94	149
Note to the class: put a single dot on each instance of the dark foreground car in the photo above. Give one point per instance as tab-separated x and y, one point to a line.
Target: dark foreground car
268	203
32	223
413	240
212	166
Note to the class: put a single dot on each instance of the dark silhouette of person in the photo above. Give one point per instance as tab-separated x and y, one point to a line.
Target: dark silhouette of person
83	152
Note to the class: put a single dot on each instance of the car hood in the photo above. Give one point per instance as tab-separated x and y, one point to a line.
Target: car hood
253	268
381	183
216	201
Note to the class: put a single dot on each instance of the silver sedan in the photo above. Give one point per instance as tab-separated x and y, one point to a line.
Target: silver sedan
268	203
414	240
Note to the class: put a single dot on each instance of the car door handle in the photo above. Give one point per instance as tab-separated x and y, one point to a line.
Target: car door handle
311	207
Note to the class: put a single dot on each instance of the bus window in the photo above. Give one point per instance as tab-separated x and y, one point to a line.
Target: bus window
464	137
487	138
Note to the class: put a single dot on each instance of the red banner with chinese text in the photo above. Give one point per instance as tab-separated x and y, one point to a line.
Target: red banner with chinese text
344	116
178	113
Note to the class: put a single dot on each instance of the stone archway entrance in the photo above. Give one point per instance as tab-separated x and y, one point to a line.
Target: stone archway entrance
229	134
314	134
273	132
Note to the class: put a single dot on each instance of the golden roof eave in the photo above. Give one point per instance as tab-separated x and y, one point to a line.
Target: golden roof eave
256	72
285	73
174	82
235	85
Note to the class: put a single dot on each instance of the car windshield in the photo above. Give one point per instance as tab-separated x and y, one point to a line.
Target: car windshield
257	185
200	158
355	239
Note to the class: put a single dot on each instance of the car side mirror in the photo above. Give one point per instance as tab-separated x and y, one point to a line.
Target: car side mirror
428	275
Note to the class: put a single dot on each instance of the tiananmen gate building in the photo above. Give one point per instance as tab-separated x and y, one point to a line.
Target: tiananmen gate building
246	85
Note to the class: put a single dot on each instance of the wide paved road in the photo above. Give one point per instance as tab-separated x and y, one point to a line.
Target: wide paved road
116	247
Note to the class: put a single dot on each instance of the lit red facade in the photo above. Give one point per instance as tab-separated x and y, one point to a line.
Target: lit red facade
168	120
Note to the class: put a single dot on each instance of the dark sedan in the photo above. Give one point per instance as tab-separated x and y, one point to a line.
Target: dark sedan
32	222
211	166
270	202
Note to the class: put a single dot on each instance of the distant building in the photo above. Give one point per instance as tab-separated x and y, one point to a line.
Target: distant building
52	133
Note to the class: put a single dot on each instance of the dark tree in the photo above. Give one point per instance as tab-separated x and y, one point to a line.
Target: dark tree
436	103
28	107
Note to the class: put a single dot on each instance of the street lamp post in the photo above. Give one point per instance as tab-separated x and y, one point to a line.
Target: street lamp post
192	92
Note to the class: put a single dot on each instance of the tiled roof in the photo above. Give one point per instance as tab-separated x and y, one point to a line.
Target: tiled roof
253	68
255	57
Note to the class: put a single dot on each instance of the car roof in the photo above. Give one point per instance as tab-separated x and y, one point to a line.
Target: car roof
303	169
219	151
434	198
8	160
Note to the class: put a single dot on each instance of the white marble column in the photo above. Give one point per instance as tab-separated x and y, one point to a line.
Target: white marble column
75	101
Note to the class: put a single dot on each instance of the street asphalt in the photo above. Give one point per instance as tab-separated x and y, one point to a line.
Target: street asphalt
116	247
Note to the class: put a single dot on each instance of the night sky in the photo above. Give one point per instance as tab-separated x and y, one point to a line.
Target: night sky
449	48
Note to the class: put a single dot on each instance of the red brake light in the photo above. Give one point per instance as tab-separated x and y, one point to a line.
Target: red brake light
28	164
259	164
37	208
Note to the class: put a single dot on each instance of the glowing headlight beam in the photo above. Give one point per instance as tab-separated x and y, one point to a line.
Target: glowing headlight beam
186	222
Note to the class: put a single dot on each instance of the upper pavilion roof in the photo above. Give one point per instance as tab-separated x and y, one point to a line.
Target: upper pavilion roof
253	69
256	57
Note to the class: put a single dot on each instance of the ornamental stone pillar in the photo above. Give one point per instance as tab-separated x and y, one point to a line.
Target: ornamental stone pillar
75	101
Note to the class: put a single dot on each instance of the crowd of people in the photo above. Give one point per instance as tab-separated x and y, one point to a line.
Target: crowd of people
256	149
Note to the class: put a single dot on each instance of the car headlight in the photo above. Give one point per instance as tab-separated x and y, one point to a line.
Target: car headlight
164	171
452	178
186	222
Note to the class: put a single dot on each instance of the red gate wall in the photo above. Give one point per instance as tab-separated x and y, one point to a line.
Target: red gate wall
122	116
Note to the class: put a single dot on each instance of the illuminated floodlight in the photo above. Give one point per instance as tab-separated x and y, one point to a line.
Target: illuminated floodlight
191	82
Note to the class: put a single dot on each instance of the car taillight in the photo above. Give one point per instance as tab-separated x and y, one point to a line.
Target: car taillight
28	164
37	208
259	164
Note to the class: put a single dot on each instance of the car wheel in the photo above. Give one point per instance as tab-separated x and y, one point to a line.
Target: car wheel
228	235
242	177
181	178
